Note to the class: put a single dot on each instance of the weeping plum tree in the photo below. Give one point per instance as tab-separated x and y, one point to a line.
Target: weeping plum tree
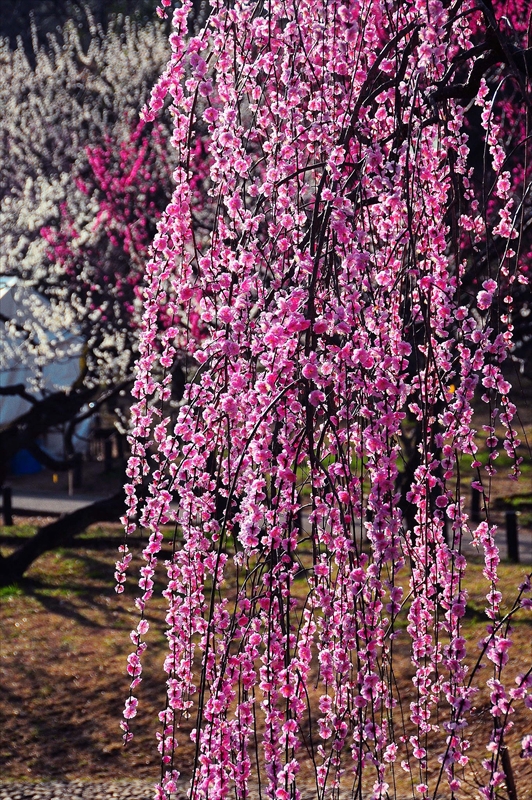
337	271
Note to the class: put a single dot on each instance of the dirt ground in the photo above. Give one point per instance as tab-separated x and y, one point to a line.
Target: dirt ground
63	647
65	637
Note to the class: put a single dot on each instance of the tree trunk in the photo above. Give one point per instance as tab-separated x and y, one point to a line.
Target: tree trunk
58	533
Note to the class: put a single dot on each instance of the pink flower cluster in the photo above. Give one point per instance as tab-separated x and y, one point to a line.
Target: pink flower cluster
310	266
123	187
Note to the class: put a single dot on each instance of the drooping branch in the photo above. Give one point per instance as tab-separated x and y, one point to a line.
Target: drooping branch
341	332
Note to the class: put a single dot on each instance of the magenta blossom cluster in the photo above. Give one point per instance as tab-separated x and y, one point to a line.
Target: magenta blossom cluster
100	246
311	266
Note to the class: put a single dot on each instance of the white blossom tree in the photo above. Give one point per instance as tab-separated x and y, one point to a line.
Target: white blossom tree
81	186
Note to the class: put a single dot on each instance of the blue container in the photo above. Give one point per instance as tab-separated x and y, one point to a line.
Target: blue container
23	463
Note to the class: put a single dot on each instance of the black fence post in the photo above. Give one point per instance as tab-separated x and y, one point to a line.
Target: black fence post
512	537
7	505
475	505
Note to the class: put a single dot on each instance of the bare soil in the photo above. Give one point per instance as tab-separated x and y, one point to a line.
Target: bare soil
65	637
64	642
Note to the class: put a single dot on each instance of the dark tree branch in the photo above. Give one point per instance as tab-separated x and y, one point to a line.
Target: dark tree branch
58	533
498	49
48	461
104	398
19	390
54	410
19	328
469	89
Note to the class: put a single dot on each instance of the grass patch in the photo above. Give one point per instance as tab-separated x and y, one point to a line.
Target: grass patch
23	531
11	591
517	502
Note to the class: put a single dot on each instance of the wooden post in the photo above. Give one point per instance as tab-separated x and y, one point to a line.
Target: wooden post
108	453
120	444
7	505
512	537
78	471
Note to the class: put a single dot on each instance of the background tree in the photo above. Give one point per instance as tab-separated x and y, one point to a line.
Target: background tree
82	183
49	16
337	259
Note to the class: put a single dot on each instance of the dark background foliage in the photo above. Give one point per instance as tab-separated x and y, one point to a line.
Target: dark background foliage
49	15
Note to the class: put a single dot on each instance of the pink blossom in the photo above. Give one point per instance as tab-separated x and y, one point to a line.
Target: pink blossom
322	258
